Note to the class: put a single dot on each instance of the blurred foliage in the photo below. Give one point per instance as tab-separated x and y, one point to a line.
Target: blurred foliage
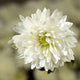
12	68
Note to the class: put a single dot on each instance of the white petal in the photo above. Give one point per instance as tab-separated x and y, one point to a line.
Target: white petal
42	63
56	14
21	18
65	26
64	52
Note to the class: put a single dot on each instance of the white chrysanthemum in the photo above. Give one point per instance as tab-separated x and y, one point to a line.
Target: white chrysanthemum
45	40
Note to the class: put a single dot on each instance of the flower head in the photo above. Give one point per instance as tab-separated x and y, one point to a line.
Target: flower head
45	40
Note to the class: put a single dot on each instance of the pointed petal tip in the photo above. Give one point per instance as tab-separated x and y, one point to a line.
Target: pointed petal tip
21	17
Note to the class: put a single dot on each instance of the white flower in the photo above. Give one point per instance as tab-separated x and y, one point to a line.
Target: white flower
45	40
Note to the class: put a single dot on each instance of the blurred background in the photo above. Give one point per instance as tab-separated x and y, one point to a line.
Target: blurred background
12	68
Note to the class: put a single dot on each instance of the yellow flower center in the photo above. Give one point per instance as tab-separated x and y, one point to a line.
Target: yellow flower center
42	39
